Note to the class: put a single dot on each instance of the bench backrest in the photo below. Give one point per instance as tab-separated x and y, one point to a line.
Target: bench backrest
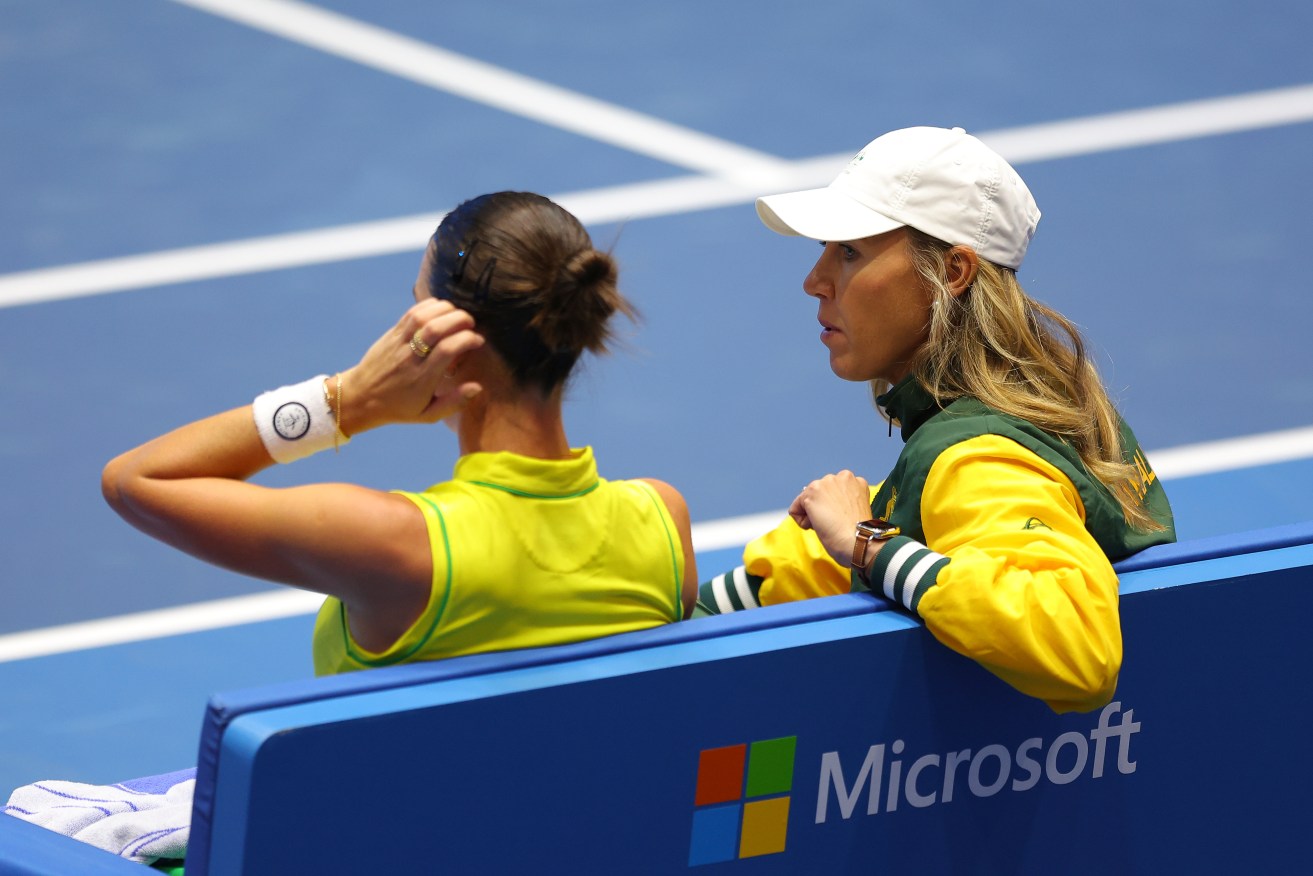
833	736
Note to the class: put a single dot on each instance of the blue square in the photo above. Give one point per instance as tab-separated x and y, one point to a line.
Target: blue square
715	834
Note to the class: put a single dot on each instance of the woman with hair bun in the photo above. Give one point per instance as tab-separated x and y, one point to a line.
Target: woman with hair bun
1018	483
524	546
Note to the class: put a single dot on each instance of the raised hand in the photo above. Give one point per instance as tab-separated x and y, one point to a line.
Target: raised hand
406	375
832	506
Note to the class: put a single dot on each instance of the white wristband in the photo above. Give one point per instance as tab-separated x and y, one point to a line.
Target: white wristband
295	421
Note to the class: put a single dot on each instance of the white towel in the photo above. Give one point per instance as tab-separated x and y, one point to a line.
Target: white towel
143	819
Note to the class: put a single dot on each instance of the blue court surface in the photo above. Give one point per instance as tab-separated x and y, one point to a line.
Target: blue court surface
208	198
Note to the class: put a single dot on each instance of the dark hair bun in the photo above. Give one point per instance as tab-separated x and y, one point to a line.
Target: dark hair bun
575	311
527	271
590	267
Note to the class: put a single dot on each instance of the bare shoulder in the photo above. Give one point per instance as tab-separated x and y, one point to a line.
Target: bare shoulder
678	508
672	497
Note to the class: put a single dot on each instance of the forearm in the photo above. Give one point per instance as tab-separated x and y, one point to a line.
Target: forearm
389	385
189	488
226	446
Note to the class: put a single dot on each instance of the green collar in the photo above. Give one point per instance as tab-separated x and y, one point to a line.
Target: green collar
908	404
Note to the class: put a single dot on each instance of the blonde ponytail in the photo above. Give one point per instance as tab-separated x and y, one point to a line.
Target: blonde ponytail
996	344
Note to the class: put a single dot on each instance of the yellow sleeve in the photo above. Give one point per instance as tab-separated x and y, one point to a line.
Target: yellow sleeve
794	564
1027	592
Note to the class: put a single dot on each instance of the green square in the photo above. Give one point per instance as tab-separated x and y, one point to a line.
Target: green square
770	766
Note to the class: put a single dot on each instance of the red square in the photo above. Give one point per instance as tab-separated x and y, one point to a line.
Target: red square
720	774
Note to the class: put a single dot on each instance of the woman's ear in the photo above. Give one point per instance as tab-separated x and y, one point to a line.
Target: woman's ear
962	264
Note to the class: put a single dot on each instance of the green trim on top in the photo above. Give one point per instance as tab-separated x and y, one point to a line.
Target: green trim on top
528	495
437	617
663	512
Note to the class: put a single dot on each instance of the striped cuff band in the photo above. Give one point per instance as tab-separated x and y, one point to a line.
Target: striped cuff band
731	591
904	570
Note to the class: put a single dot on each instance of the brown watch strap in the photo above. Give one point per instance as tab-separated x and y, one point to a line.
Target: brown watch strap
860	549
867	532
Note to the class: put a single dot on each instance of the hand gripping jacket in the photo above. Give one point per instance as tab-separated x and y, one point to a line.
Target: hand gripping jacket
1000	521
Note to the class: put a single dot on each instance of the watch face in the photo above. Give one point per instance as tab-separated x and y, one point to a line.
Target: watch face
867	532
879	528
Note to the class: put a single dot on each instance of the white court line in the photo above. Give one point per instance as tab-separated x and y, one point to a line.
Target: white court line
465	77
1232	454
342	243
1180	462
158	624
641	200
1165	124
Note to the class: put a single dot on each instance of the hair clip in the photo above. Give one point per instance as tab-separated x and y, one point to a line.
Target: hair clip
462	259
484	284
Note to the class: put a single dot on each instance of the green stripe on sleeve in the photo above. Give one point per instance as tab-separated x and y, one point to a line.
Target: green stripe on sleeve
904	570
734	590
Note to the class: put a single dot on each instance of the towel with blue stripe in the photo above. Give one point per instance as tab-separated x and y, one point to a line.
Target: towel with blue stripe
142	819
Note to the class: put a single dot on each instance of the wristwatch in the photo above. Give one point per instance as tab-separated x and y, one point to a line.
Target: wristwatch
868	531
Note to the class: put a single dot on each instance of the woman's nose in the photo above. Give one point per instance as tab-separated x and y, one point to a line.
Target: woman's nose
817	283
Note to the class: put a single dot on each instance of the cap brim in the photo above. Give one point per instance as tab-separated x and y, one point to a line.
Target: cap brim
822	214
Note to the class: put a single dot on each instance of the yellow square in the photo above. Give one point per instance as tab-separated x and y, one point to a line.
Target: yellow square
765	823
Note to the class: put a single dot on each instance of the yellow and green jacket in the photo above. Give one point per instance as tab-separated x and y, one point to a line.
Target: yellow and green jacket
1005	552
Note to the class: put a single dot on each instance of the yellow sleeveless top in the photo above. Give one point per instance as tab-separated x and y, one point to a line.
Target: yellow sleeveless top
528	552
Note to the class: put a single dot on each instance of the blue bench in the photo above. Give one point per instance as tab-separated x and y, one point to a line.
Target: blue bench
833	736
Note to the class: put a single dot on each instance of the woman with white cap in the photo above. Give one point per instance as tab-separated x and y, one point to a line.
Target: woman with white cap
1018	483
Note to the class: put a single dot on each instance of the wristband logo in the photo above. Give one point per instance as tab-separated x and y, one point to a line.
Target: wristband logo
291	421
742	801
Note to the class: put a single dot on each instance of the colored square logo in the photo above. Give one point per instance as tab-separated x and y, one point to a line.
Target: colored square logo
765	822
771	770
720	775
715	835
742	800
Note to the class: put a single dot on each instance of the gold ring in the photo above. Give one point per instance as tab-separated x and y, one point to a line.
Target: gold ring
418	347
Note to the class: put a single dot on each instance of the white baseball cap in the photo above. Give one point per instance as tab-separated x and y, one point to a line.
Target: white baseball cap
943	182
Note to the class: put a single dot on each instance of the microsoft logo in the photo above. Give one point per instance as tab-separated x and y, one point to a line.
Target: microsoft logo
742	801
